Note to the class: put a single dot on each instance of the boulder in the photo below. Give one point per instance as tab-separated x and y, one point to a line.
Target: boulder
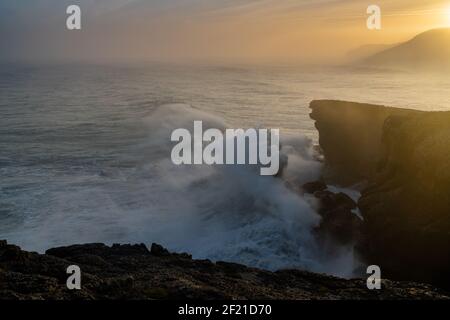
338	222
158	250
314	186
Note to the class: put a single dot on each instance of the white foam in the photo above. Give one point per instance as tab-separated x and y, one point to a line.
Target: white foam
218	212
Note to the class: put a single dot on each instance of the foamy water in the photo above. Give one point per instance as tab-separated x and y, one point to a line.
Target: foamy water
85	157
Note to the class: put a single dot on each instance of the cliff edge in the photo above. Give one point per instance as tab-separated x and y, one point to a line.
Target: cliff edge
350	136
403	159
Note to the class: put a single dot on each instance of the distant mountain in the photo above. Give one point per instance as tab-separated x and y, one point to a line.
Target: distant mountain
427	51
366	51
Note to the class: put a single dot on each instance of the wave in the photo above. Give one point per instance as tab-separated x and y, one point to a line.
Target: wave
226	213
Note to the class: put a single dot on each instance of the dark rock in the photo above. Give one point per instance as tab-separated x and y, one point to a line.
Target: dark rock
63	252
128	249
406	207
127	275
312	187
185	255
158	250
11	252
340	225
232	268
338	222
403	156
330	201
350	138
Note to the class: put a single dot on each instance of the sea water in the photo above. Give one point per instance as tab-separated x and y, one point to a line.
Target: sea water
85	157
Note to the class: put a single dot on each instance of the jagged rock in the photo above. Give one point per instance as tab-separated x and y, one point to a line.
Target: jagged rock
314	186
130	272
404	158
330	201
158	250
338	222
340	225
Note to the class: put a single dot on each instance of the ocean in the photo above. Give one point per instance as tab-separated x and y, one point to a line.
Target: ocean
85	157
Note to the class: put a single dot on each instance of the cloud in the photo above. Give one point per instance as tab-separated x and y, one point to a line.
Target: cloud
185	30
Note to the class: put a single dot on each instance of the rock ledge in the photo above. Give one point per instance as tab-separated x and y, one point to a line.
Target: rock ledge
134	272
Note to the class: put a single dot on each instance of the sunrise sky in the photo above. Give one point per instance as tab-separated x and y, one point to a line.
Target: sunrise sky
298	31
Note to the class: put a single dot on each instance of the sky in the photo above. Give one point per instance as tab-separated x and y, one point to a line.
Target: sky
233	31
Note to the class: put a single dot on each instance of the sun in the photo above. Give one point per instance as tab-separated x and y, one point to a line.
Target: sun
447	13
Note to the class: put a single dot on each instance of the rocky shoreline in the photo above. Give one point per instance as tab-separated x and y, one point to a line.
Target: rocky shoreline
398	159
133	272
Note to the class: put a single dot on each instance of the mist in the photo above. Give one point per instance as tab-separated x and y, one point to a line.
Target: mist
196	31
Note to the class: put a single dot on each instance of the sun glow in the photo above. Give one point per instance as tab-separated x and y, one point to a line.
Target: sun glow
447	14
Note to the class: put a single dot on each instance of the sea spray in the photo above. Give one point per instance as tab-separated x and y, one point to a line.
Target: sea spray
221	213
234	147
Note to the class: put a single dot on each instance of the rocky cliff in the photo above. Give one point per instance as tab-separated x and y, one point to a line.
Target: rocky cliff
351	138
404	158
134	272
